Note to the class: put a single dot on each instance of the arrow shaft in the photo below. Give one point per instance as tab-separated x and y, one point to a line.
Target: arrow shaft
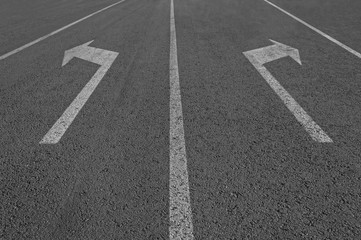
301	115
59	128
57	131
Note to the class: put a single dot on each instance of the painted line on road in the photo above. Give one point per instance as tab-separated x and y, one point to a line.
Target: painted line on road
301	115
102	57
56	31
357	54
258	57
180	212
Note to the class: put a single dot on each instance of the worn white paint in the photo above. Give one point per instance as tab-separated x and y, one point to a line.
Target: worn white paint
274	52
56	31
260	56
180	213
95	55
347	48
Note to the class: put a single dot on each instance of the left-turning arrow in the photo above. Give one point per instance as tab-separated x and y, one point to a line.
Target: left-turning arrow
102	57
258	57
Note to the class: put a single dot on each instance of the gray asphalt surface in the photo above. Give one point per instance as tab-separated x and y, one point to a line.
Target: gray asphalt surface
254	172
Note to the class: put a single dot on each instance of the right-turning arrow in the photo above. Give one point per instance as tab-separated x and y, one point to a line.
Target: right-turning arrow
260	56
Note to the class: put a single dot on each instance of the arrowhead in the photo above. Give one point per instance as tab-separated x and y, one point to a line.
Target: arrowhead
71	53
290	51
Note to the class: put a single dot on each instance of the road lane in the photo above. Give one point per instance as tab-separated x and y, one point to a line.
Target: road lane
254	173
340	44
42	38
36	60
108	177
340	19
24	21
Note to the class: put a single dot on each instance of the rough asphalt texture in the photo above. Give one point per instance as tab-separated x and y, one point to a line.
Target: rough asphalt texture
254	172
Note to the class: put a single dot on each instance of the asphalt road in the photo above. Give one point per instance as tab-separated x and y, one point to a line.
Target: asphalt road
253	170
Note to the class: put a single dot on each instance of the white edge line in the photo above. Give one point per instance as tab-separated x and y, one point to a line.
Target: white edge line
55	32
318	31
180	212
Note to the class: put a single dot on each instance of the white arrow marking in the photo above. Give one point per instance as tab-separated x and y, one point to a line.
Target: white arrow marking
95	55
260	56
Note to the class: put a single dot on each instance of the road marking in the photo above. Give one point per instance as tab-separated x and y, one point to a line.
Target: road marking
357	54
55	32
260	56
99	56
180	212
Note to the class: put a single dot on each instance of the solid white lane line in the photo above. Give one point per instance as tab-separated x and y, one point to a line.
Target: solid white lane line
55	32
180	212
357	54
